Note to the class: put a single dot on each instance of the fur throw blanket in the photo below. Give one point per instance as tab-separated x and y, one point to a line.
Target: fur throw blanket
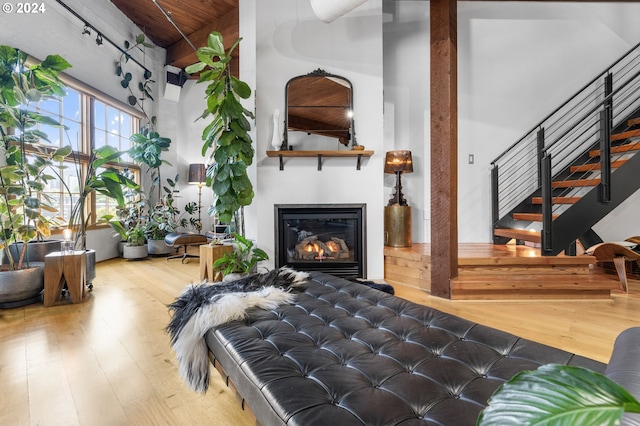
206	305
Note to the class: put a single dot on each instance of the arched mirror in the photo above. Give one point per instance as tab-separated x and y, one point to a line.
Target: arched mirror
319	104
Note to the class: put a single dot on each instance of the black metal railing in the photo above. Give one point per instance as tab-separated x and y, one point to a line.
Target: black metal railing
563	140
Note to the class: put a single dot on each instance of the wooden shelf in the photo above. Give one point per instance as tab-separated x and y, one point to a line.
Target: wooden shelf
320	154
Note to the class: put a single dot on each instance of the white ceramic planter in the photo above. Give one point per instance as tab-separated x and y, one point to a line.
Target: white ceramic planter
134	252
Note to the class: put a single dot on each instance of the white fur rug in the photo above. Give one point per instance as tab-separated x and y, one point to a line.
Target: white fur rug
204	306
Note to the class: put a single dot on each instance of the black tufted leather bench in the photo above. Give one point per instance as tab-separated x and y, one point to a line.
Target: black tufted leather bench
345	354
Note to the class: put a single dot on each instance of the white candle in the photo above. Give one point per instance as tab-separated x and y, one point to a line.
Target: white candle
67	234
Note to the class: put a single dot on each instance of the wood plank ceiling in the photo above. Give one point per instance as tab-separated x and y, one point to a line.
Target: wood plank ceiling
196	19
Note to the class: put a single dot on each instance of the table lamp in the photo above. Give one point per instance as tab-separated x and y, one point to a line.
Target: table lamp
198	175
398	162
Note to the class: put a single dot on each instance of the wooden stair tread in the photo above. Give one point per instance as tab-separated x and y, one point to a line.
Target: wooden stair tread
618	149
625	135
518	234
527	262
591	167
535	217
575	182
633	121
551	281
557	200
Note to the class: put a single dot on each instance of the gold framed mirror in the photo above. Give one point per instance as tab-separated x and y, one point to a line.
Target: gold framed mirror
320	103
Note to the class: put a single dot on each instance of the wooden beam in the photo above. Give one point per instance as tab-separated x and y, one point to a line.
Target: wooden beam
444	146
181	54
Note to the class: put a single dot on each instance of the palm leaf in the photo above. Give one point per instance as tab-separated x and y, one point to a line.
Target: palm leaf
558	395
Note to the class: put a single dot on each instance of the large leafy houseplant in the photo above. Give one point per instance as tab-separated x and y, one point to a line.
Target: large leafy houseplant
99	178
227	142
26	212
558	395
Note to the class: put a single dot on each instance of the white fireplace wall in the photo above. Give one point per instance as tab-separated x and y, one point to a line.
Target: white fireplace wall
291	41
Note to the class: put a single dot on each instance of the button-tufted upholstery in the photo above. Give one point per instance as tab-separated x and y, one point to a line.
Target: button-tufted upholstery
345	354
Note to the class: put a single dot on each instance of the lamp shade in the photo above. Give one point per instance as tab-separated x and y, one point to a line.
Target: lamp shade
197	173
398	161
330	10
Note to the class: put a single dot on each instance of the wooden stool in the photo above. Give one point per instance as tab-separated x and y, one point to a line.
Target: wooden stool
208	255
60	268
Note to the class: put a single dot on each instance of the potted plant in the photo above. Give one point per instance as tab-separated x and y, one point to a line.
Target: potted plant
135	247
129	215
98	178
165	217
25	211
226	138
242	260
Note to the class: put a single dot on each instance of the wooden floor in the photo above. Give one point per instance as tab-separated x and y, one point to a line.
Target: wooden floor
108	361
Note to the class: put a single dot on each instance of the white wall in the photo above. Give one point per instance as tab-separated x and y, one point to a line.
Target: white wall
517	61
291	41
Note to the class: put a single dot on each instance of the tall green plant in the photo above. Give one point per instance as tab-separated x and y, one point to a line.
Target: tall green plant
227	143
147	148
23	203
101	178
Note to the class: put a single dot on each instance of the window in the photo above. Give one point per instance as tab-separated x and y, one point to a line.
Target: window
113	124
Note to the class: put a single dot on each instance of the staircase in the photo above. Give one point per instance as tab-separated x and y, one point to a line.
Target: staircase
574	167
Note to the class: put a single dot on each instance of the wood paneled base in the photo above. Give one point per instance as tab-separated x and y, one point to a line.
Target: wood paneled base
504	272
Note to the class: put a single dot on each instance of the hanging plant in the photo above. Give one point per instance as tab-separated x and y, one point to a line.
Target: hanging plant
144	86
227	143
147	144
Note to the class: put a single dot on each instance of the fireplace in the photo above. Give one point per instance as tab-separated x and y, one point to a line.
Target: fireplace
322	237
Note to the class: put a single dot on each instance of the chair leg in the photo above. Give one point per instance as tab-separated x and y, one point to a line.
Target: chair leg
619	263
184	256
178	255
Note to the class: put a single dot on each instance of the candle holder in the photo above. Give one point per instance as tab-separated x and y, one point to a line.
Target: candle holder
66	246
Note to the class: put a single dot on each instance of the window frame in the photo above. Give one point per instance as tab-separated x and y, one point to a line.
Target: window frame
88	96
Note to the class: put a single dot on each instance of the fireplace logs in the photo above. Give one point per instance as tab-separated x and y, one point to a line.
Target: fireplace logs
311	248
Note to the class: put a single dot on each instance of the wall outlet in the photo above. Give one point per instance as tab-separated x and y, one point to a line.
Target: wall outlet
471	159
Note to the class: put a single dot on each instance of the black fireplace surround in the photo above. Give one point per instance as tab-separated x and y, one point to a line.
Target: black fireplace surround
330	238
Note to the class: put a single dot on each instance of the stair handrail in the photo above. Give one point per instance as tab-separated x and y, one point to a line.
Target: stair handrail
570	129
574	96
606	99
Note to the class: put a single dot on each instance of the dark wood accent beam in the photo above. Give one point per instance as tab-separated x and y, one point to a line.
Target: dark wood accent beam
444	146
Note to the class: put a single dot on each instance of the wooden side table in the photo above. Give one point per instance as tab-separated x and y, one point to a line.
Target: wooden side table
208	255
64	267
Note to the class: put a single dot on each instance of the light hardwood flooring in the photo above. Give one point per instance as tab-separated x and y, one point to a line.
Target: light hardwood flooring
107	361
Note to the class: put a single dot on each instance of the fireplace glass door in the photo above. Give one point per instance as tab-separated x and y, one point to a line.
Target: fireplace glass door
321	238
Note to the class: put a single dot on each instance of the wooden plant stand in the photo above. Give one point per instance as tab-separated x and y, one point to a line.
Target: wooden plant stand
61	268
208	255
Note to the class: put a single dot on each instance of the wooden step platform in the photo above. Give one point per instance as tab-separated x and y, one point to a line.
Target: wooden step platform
504	272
